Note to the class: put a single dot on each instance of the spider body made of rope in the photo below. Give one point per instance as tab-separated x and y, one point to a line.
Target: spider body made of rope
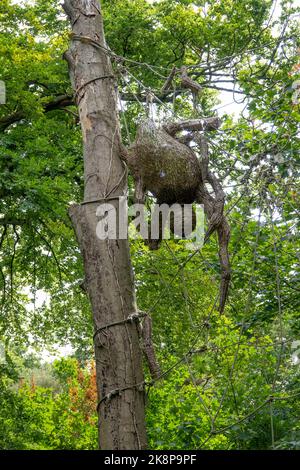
164	164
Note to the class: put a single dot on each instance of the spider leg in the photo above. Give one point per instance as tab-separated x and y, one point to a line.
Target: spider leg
213	206
215	219
214	210
139	191
223	237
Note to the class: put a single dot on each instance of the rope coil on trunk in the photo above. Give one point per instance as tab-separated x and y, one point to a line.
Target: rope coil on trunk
133	317
140	387
104	77
112	198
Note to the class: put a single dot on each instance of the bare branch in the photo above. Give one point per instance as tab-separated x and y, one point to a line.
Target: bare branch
187	82
169	80
59	102
205	124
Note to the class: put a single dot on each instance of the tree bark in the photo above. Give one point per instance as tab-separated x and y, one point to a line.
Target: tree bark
108	273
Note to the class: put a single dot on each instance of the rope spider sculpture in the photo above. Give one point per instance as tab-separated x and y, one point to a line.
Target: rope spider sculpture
162	162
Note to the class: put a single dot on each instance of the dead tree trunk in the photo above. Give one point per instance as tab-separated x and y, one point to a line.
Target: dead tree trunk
108	273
